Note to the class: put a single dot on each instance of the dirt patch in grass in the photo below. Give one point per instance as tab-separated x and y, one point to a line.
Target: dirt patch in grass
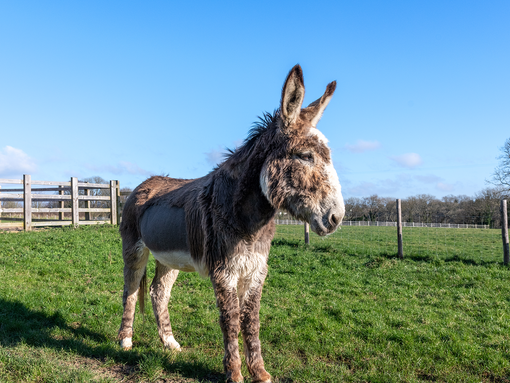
119	372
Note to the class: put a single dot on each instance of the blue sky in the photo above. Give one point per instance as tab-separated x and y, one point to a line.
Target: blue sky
125	89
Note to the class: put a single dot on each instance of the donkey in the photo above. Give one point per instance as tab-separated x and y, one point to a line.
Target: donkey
221	225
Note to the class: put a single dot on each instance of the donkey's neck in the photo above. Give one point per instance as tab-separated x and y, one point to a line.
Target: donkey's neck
241	198
254	210
238	176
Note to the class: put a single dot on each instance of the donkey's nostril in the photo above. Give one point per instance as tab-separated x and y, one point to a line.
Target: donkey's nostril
334	219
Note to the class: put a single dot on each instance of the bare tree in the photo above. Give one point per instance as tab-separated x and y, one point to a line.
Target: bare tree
388	211
373	205
354	209
501	175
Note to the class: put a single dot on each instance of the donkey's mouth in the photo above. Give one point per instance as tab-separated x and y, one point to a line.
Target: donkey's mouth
319	228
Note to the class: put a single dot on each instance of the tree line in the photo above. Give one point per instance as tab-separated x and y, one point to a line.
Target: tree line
481	209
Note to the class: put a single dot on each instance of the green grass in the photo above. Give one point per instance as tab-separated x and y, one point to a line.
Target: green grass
343	308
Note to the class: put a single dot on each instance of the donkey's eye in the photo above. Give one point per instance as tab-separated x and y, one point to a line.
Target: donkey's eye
306	157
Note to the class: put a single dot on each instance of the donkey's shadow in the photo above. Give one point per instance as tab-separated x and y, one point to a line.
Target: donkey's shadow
19	324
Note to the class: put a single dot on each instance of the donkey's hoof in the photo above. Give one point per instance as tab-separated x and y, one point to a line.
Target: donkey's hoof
170	343
234	377
126	344
263	377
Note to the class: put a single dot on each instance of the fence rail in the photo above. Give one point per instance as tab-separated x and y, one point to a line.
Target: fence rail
280	221
66	193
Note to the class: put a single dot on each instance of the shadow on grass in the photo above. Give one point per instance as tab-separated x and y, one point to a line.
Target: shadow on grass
427	258
294	243
19	324
471	262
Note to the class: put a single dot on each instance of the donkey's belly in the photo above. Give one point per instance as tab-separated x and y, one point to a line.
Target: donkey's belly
163	230
179	260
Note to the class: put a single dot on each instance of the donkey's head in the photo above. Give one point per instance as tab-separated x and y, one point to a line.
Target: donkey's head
298	174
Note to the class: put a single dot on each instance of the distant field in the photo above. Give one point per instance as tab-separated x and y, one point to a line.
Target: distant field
477	246
342	309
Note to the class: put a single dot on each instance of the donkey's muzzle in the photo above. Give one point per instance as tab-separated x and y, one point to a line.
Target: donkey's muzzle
327	223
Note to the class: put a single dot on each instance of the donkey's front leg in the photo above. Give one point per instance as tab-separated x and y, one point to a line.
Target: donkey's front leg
250	325
228	304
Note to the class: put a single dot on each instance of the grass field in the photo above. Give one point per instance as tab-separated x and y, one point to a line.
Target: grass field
342	309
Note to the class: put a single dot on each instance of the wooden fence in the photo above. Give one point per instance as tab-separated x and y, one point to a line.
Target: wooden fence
68	196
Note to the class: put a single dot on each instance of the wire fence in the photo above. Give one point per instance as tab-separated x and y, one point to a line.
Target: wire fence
470	243
393	224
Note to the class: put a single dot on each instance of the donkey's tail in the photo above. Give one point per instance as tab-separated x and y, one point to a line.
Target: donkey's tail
142	292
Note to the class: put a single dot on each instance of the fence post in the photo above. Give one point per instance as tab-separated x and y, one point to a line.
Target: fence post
504	232
74	202
27	202
113	202
118	202
61	215
307	233
87	205
399	230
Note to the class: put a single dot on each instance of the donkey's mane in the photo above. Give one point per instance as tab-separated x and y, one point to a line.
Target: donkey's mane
265	122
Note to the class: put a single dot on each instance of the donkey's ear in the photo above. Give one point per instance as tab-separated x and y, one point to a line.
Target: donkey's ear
293	93
315	109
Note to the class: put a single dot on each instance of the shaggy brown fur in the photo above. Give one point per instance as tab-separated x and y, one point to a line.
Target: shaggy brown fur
283	164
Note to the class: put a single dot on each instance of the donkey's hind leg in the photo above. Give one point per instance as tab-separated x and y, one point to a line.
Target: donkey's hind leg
161	288
135	262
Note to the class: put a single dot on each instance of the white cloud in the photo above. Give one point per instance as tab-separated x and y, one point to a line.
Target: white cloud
408	160
363	146
15	162
215	156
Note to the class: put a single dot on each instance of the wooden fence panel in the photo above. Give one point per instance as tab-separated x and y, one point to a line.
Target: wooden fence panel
65	191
